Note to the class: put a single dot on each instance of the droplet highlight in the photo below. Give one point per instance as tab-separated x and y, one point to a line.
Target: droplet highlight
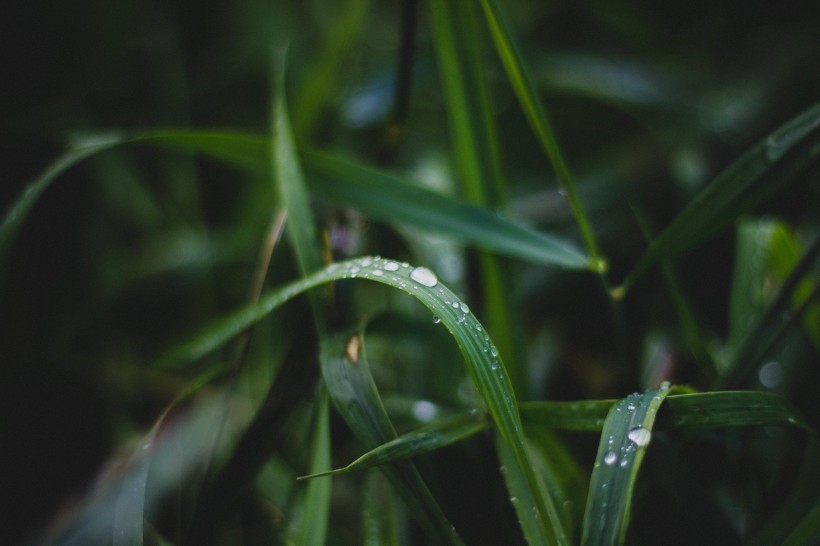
424	276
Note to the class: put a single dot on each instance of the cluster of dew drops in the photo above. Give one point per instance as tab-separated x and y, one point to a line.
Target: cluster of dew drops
386	270
639	437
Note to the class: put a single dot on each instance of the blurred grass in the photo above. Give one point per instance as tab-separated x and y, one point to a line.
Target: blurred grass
126	270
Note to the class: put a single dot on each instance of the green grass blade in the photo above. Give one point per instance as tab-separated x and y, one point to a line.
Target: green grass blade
626	435
536	115
756	175
481	356
17	213
316	509
412	444
679	412
378	194
356	397
379	524
386	197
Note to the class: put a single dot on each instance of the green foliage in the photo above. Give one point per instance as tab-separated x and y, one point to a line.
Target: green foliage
216	336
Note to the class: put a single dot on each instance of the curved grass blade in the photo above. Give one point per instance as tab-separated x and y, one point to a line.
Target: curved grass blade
536	115
19	210
378	194
355	396
481	356
627	432
760	172
412	444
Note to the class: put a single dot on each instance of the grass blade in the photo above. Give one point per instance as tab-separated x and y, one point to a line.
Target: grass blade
355	396
481	356
626	435
379	514
756	175
316	509
418	442
536	115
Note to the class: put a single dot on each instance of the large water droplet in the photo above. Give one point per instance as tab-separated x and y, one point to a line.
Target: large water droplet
391	266
610	458
493	350
378	272
464	308
640	436
424	276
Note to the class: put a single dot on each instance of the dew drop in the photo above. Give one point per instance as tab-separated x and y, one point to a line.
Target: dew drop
436	319
464	308
378	272
424	276
640	436
610	458
631	407
455	305
367	262
391	266
624	462
493	350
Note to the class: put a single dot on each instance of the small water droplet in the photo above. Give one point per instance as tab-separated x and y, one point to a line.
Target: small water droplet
493	350
424	276
631	407
367	262
641	436
461	319
610	458
391	266
378	272
514	500
436	319
455	305
464	308
354	270
624	462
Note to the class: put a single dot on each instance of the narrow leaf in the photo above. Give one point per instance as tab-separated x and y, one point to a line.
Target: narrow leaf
316	509
418	442
626	435
756	175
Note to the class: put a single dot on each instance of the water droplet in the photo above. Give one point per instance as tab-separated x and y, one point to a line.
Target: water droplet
493	350
665	385
354	270
367	262
461	319
514	500
391	266
424	276
770	375
640	436
631	407
610	458
494	365
378	272
436	320
464	308
624	462
455	305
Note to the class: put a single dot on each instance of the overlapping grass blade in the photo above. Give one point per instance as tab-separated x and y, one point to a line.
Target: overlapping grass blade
756	175
626	435
526	92
305	245
457	45
481	356
476	154
355	396
378	194
428	438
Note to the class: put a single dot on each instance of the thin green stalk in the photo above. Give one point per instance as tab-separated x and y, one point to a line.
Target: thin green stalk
536	114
